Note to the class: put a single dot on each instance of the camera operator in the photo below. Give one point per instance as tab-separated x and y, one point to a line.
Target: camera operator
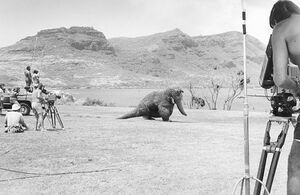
285	21
36	77
37	108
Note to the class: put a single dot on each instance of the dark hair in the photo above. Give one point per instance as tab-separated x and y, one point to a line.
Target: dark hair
281	11
36	71
28	67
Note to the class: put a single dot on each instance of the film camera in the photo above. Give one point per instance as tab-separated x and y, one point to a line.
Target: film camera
283	102
51	98
51	111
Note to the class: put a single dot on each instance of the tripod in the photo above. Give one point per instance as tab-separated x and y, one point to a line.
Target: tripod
53	116
274	148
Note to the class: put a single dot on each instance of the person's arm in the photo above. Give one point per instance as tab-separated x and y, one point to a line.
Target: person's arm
40	96
281	60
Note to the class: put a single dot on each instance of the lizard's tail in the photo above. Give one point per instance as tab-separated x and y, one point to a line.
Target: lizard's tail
131	114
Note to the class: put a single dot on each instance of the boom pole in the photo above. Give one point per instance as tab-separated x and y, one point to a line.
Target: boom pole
246	108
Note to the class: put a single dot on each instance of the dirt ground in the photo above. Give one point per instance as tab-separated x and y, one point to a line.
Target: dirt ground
98	154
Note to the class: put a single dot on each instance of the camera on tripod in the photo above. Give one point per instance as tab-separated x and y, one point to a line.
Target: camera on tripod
51	98
51	111
283	102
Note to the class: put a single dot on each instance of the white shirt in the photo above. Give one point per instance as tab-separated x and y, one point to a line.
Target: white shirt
14	118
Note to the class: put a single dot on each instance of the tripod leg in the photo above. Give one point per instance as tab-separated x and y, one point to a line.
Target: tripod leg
280	143
58	118
260	172
53	118
272	171
263	159
50	116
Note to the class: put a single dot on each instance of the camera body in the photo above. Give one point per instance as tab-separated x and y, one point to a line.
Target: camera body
266	75
51	98
282	102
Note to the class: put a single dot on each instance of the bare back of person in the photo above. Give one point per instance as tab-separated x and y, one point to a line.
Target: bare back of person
286	48
291	32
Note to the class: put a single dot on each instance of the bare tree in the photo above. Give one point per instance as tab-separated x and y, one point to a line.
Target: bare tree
214	88
214	85
217	80
196	102
236	87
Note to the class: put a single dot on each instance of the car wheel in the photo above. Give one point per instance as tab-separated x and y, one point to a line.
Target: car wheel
25	109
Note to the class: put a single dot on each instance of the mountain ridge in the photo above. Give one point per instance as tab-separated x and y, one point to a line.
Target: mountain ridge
83	57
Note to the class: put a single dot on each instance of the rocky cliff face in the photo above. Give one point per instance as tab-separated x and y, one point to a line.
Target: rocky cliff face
83	57
177	56
61	39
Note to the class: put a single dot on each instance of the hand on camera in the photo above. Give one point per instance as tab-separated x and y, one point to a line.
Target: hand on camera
296	92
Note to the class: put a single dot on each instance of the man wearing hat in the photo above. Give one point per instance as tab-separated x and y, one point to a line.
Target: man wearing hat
14	121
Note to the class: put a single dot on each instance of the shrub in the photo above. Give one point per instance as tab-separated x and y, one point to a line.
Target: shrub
95	102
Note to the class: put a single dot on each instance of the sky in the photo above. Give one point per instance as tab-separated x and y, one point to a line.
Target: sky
134	18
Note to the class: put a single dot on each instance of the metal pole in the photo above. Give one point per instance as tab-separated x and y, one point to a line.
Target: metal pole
246	108
34	48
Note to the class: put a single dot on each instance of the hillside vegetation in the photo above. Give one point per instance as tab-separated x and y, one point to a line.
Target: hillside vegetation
81	57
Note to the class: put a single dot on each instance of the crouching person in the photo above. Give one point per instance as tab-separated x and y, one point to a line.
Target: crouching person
14	121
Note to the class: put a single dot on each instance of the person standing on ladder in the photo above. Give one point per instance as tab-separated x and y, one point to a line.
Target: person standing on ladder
285	21
2	91
36	77
28	78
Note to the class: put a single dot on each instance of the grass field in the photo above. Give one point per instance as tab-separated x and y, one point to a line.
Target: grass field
98	154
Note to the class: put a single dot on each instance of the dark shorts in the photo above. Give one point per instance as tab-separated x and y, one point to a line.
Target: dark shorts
28	83
297	129
14	129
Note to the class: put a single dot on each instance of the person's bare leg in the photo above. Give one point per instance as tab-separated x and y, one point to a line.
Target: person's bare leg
40	121
293	184
36	119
